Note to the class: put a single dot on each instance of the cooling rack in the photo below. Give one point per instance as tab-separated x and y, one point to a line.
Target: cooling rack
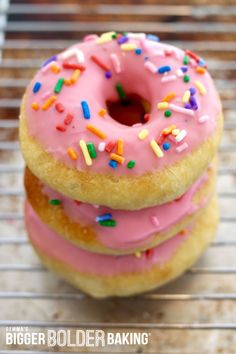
196	313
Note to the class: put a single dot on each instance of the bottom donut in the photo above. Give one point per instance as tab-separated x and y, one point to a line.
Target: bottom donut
106	275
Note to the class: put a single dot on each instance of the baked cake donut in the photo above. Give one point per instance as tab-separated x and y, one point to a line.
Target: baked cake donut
80	137
111	231
105	275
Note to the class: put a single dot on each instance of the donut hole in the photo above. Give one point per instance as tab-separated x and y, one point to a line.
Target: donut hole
129	111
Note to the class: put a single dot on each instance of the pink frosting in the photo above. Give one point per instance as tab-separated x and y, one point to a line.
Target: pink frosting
134	228
93	87
56	247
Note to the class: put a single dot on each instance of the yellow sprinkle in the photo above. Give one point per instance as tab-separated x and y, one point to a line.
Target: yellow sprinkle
143	134
117	158
169	97
168	130
186	96
175	132
74	76
138	254
96	131
200	70
156	148
71	152
163	105
201	88
55	68
35	106
105	37
120	147
49	102
85	152
128	46
102	112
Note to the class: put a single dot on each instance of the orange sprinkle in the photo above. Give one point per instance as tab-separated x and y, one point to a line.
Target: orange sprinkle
168	130
120	147
75	76
55	69
200	70
102	112
71	152
117	158
96	131
35	106
183	232
67	82
169	97
49	102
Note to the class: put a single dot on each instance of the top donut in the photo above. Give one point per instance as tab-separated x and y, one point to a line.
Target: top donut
121	120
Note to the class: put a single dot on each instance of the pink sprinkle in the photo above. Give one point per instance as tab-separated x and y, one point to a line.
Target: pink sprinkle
90	37
150	66
168	78
182	147
159	53
115	62
155	220
46	94
203	119
179	109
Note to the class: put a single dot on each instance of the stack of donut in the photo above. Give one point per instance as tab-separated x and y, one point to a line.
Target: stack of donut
120	134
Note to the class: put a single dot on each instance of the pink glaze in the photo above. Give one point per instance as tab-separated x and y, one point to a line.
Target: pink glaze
59	249
128	69
134	228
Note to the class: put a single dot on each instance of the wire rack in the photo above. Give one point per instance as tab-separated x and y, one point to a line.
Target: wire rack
196	313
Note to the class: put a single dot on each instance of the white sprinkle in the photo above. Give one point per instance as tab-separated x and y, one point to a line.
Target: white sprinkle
73	52
115	62
179	73
155	220
168	78
182	134
80	56
46	94
136	35
101	146
182	147
150	67
179	109
203	119
159	53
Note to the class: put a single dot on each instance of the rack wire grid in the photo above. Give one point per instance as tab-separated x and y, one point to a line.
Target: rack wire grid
194	314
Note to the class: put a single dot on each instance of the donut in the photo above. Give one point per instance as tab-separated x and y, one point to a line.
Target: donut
108	231
106	275
121	120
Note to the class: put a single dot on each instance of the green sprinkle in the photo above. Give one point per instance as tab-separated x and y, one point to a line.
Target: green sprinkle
167	113
59	85
114	36
92	150
109	223
186	60
54	201
186	78
124	33
131	164
120	91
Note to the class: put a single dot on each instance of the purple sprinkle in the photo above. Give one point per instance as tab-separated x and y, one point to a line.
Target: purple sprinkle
122	40
188	106
192	91
184	69
193	103
53	58
108	74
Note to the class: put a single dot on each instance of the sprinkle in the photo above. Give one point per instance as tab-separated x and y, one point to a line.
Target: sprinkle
61	128
143	134
105	38
59	84
138	254
200	70
96	131
193	103
164	69
92	150
75	76
120	91
54	202
160	139
202	62
201	88
122	40
46	94
186	96
138	51
85	152
179	73
72	154
97	61
146	117
182	134
35	106
68	119
67	82
112	164
136	35
179	109
49	102
59	107
184	69
168	130
73	52
192	91
152	37
108	75
109	223
150	67
55	68
186	78
156	148
182	147
149	253
186	60
169	97
120	147
168	78
101	146
175	132
167	113
115	62
110	146
128	46
166	146
131	164
203	119
36	87
162	105
117	158
71	66
48	61
85	108
102	112
103	217
192	55
155	220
